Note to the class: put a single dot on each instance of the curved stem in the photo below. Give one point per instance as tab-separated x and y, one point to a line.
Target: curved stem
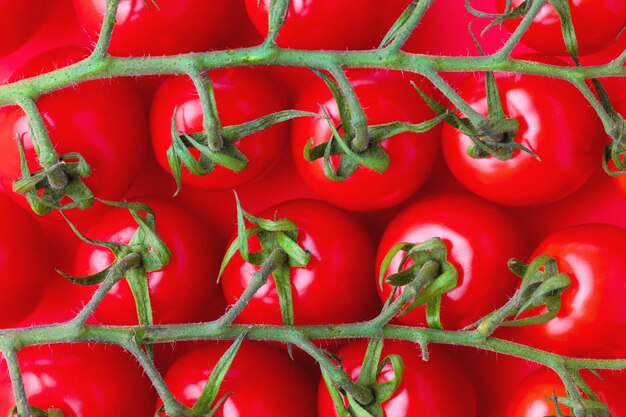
106	31
15	374
210	119
535	7
409	26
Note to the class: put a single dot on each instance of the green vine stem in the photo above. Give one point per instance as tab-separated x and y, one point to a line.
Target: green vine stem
23	409
210	121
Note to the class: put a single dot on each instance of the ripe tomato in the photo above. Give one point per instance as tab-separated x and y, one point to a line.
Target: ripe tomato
184	291
335	287
307	25
425	386
592	315
172	27
480	239
82	381
596	23
24	263
385	97
533	396
104	121
18	21
263	381
241	96
568	141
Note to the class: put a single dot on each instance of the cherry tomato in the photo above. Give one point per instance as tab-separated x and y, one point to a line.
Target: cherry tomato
262	381
597	23
24	263
592	312
82	381
19	20
163	27
357	24
425	386
480	239
568	141
184	291
241	96
335	287
111	132
533	397
385	97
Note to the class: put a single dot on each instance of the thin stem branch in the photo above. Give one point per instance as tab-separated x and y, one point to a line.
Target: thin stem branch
605	117
108	22
173	407
276	19
521	29
15	374
358	119
210	119
341	379
409	26
259	279
115	274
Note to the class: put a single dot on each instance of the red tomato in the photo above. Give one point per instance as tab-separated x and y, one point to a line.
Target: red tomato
385	97
533	396
184	291
241	96
172	27
596	23
480	239
568	141
425	388
263	381
82	381
594	257
19	20
307	25
104	121
24	263
335	287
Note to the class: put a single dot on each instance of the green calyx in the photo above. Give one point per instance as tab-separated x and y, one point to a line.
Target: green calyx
37	412
58	181
425	281
153	253
371	369
278	254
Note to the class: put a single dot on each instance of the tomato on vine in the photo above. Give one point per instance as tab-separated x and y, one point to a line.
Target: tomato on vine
183	291
163	27
555	122
480	239
336	286
592	318
104	121
81	380
262	381
425	388
386	97
241	96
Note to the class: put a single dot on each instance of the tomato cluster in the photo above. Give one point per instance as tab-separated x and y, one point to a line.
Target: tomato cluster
551	197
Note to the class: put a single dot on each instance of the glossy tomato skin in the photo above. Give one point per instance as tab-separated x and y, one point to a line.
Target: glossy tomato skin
241	96
174	27
386	97
532	397
24	263
594	257
18	21
111	132
555	122
334	287
480	240
184	291
425	388
307	25
82	381
263	381
597	24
